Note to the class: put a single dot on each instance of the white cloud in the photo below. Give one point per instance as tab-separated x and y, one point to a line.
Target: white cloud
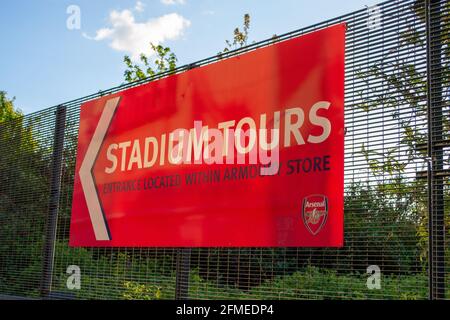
172	2
139	7
127	35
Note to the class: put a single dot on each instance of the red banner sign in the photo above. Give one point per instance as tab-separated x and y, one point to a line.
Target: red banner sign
247	151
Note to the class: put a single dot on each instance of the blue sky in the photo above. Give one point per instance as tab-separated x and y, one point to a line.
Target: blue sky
44	63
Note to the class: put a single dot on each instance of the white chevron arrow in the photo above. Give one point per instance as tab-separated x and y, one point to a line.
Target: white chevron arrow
87	180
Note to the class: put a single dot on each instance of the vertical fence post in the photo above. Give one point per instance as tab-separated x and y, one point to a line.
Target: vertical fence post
433	13
183	259
182	277
53	206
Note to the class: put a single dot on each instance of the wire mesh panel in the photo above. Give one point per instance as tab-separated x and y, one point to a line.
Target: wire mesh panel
396	177
25	151
438	142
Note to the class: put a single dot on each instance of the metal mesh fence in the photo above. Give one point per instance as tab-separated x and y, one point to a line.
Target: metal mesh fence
397	156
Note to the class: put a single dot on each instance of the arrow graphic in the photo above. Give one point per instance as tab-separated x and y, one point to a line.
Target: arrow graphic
98	219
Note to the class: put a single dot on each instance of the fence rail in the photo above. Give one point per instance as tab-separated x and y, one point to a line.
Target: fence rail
397	190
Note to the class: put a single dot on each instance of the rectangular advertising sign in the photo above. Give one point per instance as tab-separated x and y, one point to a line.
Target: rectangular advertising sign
244	152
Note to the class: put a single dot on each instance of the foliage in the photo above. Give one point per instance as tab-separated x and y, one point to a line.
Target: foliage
380	228
305	283
7	111
315	283
136	291
240	37
165	61
23	166
402	98
115	277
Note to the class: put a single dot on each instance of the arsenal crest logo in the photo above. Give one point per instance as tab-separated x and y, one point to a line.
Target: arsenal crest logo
315	212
